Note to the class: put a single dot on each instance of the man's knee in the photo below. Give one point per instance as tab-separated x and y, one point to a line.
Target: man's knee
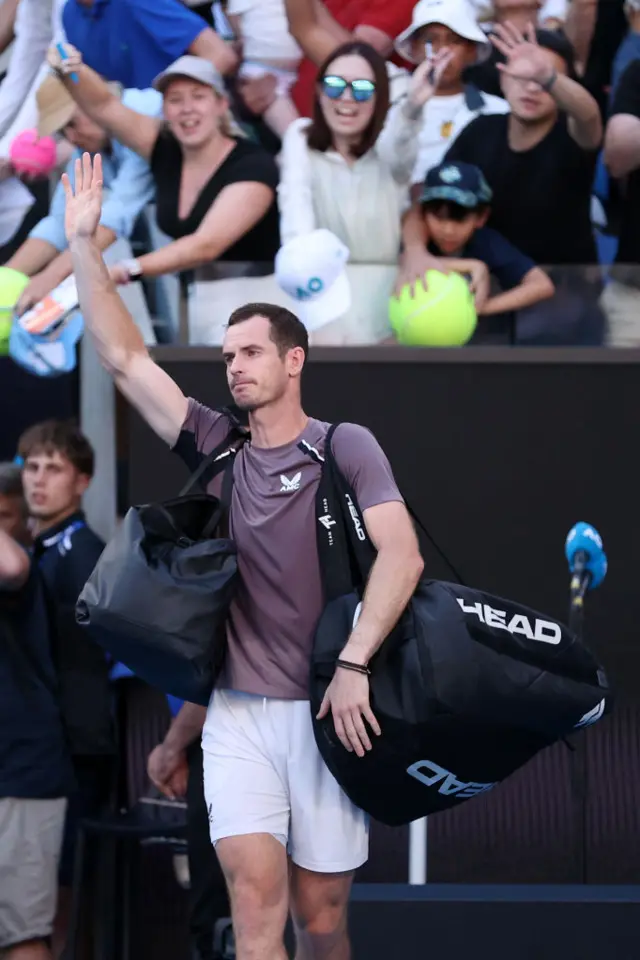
319	909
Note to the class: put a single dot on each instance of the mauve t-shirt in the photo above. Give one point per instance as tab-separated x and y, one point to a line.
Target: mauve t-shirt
279	600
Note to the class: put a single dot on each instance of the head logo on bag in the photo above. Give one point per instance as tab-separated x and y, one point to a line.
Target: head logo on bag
431	775
545	631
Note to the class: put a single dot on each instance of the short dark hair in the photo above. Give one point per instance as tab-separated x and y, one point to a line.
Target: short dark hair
286	330
319	136
59	436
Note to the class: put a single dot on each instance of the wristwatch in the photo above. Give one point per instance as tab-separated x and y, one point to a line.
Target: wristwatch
132	266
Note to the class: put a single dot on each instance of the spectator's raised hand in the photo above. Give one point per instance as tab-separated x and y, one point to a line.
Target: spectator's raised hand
83	205
67	64
426	77
526	59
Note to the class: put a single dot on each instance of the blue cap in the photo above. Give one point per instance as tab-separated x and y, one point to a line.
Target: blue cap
460	183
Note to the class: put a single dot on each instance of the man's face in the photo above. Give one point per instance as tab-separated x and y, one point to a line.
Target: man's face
528	101
13	518
53	487
256	373
83	133
463	52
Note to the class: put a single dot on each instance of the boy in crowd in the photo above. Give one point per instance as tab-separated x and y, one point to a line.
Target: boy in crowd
58	463
455	204
35	772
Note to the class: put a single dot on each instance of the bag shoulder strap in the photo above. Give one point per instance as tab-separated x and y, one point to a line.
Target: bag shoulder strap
329	457
236	435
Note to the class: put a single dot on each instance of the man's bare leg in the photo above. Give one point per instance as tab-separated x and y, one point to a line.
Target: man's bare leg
256	870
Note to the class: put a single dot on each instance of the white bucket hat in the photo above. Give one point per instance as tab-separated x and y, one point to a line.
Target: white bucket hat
311	270
458	15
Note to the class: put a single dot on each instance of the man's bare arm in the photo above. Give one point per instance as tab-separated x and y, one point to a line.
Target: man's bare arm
392	581
185	727
120	345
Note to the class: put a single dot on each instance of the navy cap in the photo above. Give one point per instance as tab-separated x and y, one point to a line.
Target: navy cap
460	183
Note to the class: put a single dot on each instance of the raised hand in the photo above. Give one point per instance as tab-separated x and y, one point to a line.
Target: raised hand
83	205
526	59
426	77
64	65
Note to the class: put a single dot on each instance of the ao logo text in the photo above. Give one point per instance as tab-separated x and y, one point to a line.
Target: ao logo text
312	289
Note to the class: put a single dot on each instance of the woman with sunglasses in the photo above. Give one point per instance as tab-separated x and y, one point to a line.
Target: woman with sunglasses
331	175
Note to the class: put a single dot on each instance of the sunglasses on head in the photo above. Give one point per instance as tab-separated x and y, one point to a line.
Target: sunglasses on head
361	90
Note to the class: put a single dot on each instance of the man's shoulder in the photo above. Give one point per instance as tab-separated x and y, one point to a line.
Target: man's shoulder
352	441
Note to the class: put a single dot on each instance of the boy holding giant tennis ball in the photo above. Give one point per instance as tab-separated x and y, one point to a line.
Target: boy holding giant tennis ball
443	312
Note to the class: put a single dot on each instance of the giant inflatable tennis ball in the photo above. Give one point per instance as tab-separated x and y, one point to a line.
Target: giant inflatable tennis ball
12	285
33	155
443	315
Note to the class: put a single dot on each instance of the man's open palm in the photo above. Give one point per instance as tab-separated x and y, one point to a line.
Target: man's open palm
83	202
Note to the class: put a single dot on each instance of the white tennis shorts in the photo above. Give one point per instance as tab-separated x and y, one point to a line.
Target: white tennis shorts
263	773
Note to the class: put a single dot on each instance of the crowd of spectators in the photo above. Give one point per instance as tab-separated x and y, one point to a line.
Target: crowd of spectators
242	126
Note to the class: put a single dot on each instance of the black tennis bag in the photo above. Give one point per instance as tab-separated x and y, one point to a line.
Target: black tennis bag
467	688
159	595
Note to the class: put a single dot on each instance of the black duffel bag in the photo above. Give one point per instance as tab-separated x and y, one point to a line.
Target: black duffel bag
467	688
159	596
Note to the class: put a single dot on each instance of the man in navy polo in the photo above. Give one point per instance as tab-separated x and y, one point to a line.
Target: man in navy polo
132	41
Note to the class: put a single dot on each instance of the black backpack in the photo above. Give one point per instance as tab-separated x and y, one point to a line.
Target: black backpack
467	687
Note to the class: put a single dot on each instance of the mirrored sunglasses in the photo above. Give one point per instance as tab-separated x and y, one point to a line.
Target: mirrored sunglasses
361	90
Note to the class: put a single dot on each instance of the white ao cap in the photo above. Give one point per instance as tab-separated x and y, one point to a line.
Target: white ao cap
311	270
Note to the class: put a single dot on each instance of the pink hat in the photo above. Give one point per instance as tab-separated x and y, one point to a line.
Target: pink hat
32	154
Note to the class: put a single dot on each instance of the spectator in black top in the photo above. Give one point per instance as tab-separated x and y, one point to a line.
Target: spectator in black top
621	298
456	205
58	465
35	772
215	191
539	161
